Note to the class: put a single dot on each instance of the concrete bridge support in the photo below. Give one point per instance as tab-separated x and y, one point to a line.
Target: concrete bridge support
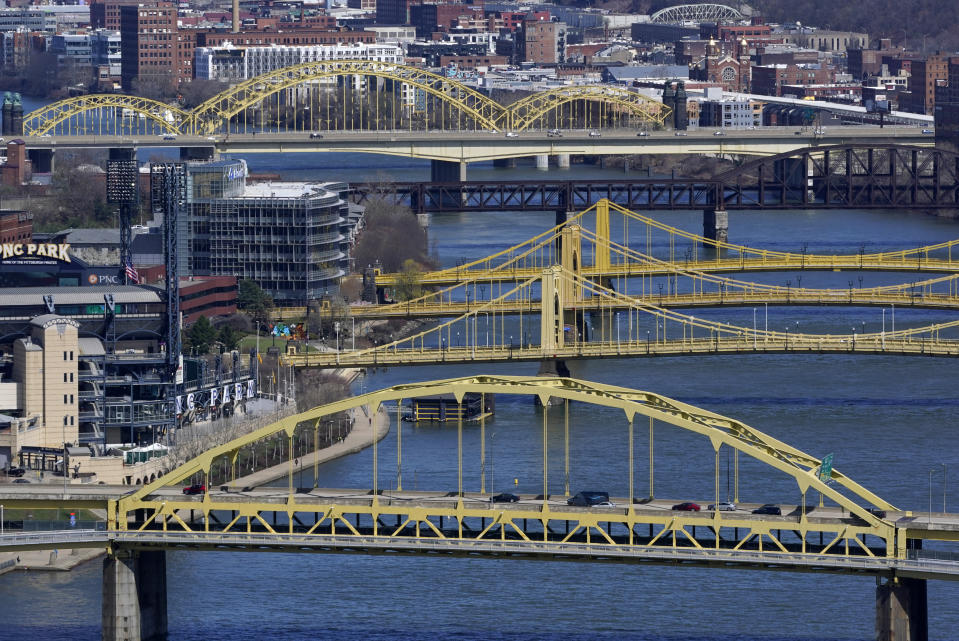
134	604
562	161
442	171
716	224
542	161
41	160
198	153
901	610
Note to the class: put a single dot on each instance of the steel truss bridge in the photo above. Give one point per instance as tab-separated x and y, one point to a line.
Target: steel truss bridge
348	95
696	13
578	294
850	530
859	175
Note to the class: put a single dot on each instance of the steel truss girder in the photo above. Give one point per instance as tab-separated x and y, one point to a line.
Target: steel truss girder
524	113
44	119
705	12
844	176
718	429
207	117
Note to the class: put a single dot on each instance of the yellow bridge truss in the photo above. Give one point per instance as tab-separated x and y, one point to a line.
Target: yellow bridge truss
117	109
461	107
535	109
686	252
312	514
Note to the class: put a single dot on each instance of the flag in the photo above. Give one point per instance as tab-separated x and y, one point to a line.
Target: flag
131	272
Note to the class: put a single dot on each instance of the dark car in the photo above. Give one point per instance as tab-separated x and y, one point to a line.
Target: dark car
16	472
769	508
196	488
315	135
687	506
586	499
21	481
505	497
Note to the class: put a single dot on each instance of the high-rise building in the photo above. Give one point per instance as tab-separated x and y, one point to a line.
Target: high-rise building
149	45
541	41
925	75
291	238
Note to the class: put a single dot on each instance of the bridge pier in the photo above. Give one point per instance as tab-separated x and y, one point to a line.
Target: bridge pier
716	224
197	153
542	162
41	160
134	604
562	161
902	610
444	171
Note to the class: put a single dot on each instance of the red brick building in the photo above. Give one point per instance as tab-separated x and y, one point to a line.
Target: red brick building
17	170
149	45
207	296
768	80
925	75
16	226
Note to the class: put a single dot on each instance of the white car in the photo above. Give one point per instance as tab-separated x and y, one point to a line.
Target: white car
680	133
512	134
928	131
594	134
604	504
719	133
643	133
722	507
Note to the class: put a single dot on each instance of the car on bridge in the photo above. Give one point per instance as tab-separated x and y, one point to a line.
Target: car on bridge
16	472
196	488
687	506
643	133
554	133
505	497
169	136
512	134
768	508
928	131
722	507
21	481
314	135
719	132
588	499
595	134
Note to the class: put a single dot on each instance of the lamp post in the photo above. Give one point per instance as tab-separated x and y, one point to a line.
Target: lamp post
943	487
754	328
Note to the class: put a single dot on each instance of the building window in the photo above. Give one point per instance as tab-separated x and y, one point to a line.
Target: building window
71	399
64	420
64	399
64	356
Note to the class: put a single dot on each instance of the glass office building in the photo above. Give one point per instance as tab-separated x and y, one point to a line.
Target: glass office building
288	237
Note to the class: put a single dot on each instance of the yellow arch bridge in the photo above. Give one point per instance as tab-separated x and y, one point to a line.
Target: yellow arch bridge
349	95
850	530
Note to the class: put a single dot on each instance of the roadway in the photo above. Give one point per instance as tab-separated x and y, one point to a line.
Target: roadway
772	263
775	343
475	146
797	297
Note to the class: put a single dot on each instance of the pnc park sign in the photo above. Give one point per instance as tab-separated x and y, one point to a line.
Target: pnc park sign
36	250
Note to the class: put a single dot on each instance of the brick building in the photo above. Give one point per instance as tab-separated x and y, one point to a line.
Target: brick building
925	75
768	80
149	46
541	41
16	226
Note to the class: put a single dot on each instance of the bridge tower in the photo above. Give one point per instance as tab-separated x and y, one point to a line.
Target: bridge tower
134	606
902	610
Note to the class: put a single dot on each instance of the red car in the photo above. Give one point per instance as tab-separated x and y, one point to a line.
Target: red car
688	506
196	488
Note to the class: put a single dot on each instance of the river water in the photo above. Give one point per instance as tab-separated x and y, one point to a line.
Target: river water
889	420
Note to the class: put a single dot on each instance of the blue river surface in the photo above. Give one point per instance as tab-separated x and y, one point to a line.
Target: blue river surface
889	420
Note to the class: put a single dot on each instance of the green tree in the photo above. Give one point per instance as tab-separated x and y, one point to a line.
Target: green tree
253	300
229	337
202	335
409	282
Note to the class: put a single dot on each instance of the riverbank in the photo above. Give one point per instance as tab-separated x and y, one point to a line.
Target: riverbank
47	560
366	429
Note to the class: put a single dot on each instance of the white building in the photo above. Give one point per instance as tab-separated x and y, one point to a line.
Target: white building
235	64
733	113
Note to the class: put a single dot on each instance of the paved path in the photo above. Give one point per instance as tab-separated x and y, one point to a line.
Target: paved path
365	430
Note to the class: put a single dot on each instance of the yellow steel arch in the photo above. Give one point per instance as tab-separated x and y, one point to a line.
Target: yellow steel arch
524	113
720	430
220	108
43	120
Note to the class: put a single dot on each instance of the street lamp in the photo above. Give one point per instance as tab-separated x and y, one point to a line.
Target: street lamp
754	328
